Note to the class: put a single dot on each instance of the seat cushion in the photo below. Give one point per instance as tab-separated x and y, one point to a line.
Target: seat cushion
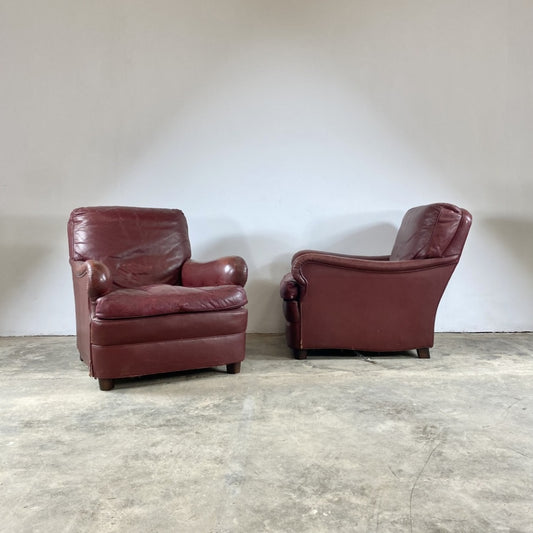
152	300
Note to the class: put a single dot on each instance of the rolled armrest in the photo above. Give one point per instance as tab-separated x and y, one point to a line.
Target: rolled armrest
288	288
379	264
99	280
231	270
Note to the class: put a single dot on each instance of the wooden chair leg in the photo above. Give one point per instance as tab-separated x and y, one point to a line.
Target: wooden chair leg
105	384
300	354
233	368
423	353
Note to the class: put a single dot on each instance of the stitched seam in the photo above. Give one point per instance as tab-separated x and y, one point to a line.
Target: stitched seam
170	340
414	269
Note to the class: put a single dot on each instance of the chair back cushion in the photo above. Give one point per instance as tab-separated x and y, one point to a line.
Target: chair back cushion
431	231
140	246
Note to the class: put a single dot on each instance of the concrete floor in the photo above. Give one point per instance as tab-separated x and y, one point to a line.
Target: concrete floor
330	444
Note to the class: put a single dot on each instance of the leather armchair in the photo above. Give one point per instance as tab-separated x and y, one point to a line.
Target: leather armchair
376	304
142	305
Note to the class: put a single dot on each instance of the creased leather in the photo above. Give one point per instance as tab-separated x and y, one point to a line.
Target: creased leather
168	299
428	231
139	246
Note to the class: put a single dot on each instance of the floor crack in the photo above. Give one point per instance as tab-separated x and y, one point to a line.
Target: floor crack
416	481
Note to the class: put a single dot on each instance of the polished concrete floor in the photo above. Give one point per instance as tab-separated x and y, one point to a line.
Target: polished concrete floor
335	443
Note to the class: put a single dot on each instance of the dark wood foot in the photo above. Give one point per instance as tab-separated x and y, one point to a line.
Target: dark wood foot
300	354
233	368
105	384
423	353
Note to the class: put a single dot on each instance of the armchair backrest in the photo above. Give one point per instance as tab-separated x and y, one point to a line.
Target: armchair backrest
140	246
432	231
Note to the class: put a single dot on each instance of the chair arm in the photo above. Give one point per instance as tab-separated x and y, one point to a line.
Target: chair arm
289	288
230	270
99	281
377	264
306	253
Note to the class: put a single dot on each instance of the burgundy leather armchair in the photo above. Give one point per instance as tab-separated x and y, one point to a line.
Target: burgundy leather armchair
376	304
142	305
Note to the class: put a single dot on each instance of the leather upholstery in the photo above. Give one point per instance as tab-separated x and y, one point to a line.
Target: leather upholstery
163	299
380	304
428	231
135	315
139	246
230	270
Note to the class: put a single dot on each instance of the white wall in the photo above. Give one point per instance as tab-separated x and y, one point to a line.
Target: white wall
275	126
